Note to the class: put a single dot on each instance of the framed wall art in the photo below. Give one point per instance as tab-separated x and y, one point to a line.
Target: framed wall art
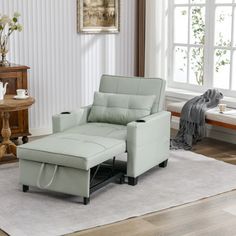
98	16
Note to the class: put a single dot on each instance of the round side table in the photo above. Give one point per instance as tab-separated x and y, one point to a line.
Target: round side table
9	104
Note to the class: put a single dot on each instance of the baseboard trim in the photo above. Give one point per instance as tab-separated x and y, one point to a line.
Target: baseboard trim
175	123
41	131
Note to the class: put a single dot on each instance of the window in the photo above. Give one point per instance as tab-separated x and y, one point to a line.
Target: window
202	44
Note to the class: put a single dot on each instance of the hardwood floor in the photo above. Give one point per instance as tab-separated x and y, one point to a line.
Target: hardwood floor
209	216
214	216
205	217
217	149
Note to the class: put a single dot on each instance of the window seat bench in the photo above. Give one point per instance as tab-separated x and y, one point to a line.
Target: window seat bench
213	116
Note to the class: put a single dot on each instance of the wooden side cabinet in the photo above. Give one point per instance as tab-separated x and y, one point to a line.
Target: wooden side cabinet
16	76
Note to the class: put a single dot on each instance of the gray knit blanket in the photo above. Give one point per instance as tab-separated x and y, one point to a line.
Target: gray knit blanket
192	119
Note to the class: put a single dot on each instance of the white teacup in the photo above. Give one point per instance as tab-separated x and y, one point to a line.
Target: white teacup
222	107
21	93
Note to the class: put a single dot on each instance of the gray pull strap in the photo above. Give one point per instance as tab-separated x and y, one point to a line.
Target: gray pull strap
40	175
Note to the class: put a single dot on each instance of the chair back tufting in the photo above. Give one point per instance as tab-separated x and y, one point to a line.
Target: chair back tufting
135	86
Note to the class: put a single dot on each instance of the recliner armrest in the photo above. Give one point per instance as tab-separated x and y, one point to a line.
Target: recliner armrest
147	142
62	122
147	128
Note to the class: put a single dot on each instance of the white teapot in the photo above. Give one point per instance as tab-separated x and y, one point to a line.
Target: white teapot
3	90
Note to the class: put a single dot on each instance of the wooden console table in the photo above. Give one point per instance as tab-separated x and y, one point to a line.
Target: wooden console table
8	105
16	77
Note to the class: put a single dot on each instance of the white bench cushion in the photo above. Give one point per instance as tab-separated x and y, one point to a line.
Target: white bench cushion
229	117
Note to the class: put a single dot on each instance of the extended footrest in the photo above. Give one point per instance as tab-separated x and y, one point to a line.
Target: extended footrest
70	163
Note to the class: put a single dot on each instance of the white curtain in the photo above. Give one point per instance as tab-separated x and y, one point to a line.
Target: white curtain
156	38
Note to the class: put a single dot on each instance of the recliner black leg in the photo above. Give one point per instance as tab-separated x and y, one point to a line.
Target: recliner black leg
122	179
86	200
25	188
132	181
163	164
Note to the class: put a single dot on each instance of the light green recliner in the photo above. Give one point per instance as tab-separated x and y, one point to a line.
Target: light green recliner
63	161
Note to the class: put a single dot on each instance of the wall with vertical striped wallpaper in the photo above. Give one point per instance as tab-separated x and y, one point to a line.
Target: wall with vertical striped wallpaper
66	66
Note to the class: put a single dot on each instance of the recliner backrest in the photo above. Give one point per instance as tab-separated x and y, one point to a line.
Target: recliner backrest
135	85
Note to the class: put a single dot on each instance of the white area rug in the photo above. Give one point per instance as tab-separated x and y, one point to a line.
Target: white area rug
188	177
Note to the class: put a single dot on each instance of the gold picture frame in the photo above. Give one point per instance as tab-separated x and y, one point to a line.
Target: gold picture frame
98	16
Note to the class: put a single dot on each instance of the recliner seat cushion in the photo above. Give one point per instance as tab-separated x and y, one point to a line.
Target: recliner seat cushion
101	129
72	150
120	108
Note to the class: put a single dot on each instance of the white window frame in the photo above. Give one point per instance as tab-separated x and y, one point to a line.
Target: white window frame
209	48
